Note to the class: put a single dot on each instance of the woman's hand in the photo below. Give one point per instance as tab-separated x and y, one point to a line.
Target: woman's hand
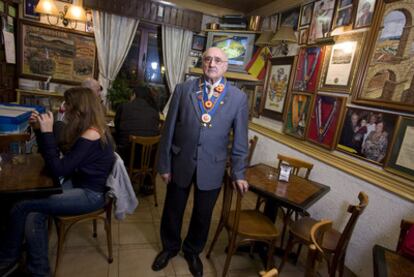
46	122
34	120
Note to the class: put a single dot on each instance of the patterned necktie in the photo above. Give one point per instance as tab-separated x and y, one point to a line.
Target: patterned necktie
210	91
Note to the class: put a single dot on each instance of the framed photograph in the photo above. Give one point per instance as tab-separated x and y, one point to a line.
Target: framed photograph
386	75
305	15
321	20
401	157
340	63
326	115
367	134
290	18
28	9
279	71
297	114
198	43
257	99
41	53
89	22
303	36
249	90
307	69
364	13
343	13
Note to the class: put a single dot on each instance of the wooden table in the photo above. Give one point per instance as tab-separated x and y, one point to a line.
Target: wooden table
298	194
26	177
387	263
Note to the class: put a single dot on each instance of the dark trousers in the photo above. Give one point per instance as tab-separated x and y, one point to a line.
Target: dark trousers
172	218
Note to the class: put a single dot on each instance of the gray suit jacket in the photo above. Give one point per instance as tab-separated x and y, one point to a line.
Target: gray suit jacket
187	146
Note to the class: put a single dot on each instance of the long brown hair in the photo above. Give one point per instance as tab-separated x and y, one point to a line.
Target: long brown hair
83	111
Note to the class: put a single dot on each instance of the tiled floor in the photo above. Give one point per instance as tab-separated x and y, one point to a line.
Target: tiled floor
136	242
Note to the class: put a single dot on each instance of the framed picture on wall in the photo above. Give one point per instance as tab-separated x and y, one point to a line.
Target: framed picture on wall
303	36
290	18
340	63
326	115
321	20
401	158
297	114
89	22
386	71
278	75
199	42
258	95
305	15
307	69
343	13
367	134
28	9
364	13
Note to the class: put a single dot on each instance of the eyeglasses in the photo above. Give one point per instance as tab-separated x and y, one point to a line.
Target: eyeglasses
217	60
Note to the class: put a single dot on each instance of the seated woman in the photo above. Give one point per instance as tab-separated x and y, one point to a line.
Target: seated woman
87	161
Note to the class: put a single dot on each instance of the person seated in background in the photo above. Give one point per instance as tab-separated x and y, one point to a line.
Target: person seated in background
138	117
87	160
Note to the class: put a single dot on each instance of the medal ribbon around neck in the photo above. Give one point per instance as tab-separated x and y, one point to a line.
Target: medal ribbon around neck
209	112
322	130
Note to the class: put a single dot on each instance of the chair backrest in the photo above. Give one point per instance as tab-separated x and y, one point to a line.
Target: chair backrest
147	144
323	226
252	147
228	195
7	139
296	165
404	227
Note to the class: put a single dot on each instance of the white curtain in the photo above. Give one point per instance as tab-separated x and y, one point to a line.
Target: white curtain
113	36
176	45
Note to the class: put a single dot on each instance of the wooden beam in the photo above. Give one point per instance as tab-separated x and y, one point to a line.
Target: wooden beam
204	8
277	6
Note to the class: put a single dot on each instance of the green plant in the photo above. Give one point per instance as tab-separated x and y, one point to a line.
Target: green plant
119	93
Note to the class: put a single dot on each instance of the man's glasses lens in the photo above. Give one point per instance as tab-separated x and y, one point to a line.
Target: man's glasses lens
217	60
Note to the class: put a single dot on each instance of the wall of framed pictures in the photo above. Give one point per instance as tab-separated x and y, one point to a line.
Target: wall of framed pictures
347	95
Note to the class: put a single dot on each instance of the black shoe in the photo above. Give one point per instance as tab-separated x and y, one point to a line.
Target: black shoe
194	264
162	259
7	270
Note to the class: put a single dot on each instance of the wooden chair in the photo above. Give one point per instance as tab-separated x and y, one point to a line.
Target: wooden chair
333	243
243	226
7	139
404	227
299	168
65	223
147	166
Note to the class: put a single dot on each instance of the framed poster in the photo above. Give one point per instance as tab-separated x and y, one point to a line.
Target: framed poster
198	43
343	13
28	9
364	13
297	115
67	56
305	15
326	115
386	74
340	62
307	69
290	18
401	158
321	20
367	134
277	84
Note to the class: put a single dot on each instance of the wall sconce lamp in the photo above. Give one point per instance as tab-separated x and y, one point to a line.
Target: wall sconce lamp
72	13
284	35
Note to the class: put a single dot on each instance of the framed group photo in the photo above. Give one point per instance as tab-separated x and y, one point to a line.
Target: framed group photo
307	69
340	61
401	158
326	115
297	114
387	72
278	75
367	134
321	20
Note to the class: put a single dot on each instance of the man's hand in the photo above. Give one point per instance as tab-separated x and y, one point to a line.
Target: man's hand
166	177
46	122
241	185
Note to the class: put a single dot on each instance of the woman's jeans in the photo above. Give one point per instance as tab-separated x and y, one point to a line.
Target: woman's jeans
29	220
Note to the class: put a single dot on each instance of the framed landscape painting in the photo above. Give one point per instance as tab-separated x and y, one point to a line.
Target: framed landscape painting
326	115
367	134
297	114
401	158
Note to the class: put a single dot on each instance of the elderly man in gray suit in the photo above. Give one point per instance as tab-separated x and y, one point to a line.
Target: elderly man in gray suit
193	150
